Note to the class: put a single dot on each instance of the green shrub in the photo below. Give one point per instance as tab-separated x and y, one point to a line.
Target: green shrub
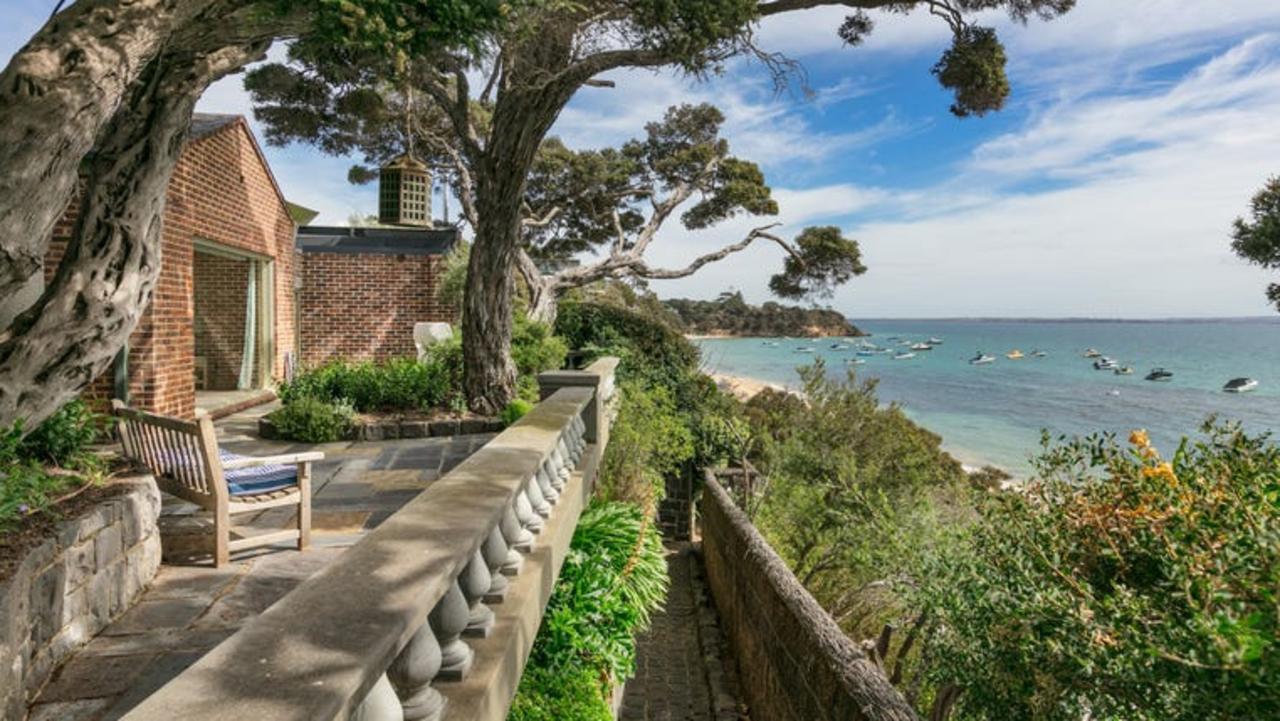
399	384
64	436
1118	586
515	410
311	420
573	695
650	350
649	441
614	577
534	348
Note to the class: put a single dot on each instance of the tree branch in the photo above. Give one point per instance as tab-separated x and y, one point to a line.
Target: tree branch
642	270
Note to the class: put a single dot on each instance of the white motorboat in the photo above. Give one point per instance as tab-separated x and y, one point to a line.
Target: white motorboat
1124	371
1039	354
1160	374
981	359
1240	385
934	341
904	356
921	346
1105	364
855	361
1092	353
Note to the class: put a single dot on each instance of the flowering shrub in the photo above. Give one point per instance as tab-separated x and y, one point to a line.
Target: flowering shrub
1122	585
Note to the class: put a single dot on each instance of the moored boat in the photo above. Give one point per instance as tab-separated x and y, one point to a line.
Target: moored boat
1039	354
1014	354
1092	353
1159	374
934	341
1105	364
921	346
981	359
904	356
1240	385
1124	371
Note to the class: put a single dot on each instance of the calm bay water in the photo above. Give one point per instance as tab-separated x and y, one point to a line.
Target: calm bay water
994	413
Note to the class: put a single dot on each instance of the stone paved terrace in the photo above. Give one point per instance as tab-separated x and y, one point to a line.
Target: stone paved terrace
189	609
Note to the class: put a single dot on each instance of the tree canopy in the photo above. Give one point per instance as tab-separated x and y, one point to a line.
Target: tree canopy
1257	238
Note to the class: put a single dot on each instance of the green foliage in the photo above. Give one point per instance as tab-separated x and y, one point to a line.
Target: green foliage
573	695
64	436
855	492
693	34
730	314
397	384
1257	239
515	410
312	420
453	280
974	68
1119	586
535	348
613	578
650	441
27	486
822	259
649	349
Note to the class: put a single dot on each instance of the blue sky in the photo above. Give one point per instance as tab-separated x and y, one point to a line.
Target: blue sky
1136	132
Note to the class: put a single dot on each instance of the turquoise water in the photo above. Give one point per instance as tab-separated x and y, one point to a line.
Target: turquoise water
994	413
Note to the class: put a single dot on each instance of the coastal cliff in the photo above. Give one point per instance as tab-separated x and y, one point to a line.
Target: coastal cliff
730	315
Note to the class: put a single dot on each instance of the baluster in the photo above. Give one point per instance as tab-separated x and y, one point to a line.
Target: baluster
565	468
517	538
412	673
380	704
544	475
549	469
495	551
579	428
534	492
530	520
448	619
475	583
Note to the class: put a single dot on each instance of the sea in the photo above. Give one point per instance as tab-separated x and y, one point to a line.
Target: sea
994	414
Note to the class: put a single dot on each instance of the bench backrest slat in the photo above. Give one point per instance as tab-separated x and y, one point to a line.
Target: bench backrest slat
183	455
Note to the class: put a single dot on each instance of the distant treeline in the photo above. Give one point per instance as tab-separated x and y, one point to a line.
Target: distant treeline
729	314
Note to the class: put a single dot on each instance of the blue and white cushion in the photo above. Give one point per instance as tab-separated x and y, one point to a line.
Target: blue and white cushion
253	480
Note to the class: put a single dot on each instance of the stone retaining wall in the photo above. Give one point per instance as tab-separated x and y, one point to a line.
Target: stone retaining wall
391	429
71	586
794	661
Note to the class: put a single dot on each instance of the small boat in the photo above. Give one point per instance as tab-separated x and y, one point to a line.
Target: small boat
921	346
855	361
904	356
867	352
1105	364
981	359
1039	354
934	341
804	350
1014	354
1123	371
1240	385
839	346
1091	353
1160	374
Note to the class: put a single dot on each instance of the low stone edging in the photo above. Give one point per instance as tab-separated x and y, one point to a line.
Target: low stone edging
387	430
70	587
795	662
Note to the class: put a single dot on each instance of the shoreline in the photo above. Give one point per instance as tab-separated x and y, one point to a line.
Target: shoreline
744	388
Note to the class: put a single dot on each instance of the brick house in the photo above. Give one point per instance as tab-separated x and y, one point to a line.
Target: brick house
362	290
237	276
221	319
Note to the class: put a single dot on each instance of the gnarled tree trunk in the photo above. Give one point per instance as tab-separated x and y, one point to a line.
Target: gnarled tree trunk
56	96
54	349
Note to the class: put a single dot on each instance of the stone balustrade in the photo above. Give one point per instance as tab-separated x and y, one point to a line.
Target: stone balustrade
431	615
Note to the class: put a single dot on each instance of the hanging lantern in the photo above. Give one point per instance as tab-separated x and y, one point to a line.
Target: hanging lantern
404	192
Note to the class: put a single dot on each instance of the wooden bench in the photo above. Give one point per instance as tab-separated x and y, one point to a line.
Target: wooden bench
185	459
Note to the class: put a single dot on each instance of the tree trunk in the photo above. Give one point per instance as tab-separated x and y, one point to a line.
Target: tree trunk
69	337
56	96
544	301
489	377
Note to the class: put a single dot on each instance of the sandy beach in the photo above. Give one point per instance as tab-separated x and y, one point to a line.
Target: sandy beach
742	388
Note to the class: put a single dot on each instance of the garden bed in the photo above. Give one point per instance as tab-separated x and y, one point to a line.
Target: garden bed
390	426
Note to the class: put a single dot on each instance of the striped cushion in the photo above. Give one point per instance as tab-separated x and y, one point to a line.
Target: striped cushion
256	479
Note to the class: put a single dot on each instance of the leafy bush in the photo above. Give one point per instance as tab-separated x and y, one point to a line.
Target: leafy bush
398	384
545	695
535	348
649	441
1119	586
650	350
64	436
311	420
514	411
26	485
613	578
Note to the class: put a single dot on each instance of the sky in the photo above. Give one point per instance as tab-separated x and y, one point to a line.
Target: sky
1136	132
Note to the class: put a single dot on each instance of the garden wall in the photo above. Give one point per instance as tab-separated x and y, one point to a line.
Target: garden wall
70	587
794	662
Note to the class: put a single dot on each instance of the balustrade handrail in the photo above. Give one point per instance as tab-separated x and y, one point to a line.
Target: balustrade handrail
366	637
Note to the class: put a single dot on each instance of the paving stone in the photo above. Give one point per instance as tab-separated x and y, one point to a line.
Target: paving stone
338	521
86	710
159	614
160	641
200	582
85	677
395	480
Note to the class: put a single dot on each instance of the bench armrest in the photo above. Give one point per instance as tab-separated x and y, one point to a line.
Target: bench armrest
282	460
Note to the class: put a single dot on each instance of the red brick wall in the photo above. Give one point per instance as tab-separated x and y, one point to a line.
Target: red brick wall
221	287
363	307
221	192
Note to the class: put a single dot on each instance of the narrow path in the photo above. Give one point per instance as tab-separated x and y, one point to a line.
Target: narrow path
683	672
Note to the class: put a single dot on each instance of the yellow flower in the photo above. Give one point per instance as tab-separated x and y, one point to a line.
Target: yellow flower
1163	470
1139	438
